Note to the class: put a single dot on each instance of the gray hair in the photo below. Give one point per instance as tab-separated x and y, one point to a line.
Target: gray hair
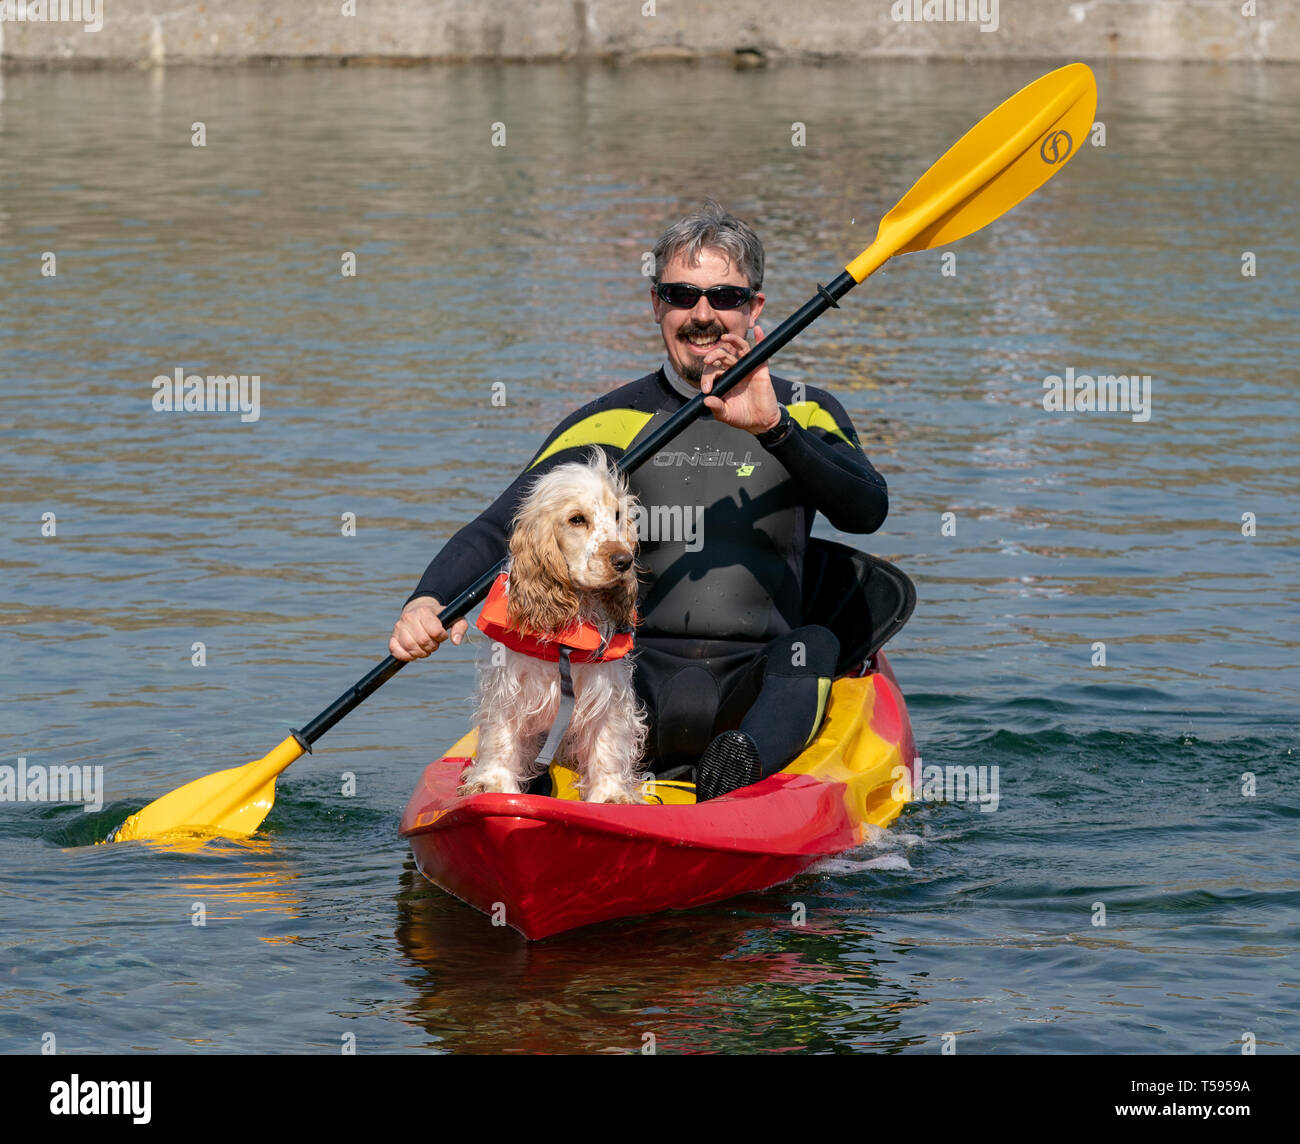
712	227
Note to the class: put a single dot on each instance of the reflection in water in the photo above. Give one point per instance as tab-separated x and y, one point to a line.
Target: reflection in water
261	887
732	978
233	879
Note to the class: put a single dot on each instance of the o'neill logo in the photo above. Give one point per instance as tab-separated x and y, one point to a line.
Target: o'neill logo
709	459
1056	147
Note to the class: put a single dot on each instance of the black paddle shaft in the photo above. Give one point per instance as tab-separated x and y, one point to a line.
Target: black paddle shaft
810	311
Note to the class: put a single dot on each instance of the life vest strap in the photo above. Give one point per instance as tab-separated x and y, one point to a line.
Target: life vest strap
563	715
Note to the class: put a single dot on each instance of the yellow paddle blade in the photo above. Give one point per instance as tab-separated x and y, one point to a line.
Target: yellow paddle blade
1006	156
232	802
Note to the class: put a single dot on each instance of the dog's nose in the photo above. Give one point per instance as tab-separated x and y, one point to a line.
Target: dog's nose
621	561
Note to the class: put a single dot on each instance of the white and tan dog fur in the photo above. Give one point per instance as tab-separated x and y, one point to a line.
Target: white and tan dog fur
572	558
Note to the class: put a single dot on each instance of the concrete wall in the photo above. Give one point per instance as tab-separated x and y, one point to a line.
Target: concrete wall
229	31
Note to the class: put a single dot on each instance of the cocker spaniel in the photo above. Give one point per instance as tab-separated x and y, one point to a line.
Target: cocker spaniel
564	611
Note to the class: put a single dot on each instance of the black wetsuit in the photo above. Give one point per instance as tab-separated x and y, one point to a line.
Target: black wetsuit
724	526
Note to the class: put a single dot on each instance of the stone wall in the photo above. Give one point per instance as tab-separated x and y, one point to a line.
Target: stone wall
144	32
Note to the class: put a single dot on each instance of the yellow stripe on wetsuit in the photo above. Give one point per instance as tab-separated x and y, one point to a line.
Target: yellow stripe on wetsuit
614	427
619	427
812	416
823	692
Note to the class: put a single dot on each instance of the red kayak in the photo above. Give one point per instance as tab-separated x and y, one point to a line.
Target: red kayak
547	864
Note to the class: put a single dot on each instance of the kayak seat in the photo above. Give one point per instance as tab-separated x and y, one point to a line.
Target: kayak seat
863	599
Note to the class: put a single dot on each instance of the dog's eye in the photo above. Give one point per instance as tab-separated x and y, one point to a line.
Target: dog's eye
578	519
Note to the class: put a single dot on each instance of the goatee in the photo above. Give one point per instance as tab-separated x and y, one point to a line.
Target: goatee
692	370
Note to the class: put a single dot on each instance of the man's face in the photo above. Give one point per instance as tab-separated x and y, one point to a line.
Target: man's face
690	334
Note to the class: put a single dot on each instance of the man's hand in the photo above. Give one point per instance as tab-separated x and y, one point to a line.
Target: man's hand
419	632
752	404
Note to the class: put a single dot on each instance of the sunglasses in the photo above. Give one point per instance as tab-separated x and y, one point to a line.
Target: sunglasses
684	296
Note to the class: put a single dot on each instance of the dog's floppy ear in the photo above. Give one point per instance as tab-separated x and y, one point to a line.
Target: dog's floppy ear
541	599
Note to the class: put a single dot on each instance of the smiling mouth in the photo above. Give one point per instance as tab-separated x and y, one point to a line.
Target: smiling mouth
702	340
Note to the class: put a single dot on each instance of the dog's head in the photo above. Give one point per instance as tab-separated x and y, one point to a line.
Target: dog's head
574	539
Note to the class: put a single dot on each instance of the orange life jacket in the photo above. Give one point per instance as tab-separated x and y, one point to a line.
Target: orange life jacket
584	641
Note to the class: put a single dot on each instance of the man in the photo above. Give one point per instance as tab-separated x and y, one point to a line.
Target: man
732	679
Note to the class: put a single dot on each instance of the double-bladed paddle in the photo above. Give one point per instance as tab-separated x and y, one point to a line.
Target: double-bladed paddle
1006	156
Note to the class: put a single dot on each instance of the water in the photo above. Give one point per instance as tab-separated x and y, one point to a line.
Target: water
1121	786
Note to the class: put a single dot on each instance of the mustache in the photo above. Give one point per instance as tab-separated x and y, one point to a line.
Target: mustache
698	328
